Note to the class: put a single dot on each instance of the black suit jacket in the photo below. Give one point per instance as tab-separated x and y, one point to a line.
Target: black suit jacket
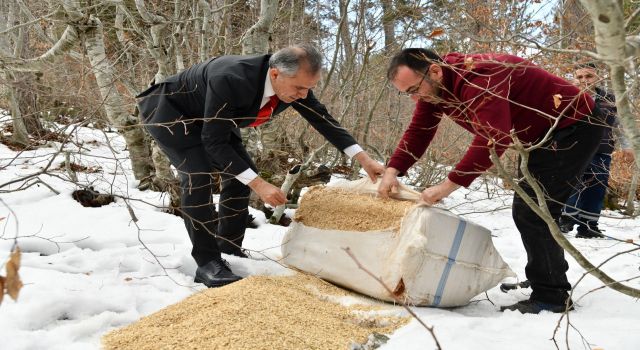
207	103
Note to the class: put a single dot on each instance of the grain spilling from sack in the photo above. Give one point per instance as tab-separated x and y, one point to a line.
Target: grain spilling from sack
338	209
258	312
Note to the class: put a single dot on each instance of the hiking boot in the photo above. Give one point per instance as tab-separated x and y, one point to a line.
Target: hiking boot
216	273
591	232
535	307
565	224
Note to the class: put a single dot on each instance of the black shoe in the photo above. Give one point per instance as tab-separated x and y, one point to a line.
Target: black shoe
565	224
216	273
251	223
535	307
591	232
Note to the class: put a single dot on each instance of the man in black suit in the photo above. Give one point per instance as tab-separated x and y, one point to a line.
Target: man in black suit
195	117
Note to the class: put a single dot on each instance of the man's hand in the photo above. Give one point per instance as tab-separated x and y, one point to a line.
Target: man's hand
373	168
269	193
389	184
434	194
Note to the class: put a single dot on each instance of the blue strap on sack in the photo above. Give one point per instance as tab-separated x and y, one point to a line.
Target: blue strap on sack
453	252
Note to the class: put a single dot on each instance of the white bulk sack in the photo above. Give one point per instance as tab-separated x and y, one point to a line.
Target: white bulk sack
435	259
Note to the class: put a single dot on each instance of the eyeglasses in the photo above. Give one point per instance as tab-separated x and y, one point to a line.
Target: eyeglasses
414	89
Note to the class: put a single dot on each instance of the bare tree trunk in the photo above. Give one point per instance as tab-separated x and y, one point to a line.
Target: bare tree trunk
220	22
205	30
24	87
256	40
127	46
228	29
19	85
156	46
632	47
114	104
177	37
388	26
631	195
343	29
292	11
161	177
609	24
20	134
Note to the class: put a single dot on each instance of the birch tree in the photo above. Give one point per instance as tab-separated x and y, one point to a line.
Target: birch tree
618	51
9	16
114	104
256	40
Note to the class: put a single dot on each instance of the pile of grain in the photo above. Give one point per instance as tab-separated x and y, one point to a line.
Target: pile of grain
258	312
338	209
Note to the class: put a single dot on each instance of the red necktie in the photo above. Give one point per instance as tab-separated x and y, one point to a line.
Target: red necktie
266	111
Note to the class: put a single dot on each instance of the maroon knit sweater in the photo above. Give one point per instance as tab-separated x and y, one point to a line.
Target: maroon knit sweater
490	95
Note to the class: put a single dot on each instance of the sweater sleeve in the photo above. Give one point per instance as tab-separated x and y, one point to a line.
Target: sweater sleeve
489	117
416	137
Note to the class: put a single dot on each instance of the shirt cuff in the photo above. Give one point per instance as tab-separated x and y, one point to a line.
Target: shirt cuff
353	150
246	176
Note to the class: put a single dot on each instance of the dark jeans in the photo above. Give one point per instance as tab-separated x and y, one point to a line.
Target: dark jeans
586	201
555	167
210	232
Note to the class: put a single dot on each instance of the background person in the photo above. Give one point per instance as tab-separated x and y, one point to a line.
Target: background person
585	203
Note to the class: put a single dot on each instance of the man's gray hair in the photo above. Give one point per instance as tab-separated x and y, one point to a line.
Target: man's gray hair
288	60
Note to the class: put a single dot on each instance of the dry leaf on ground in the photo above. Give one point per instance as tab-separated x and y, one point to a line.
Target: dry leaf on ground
436	32
12	282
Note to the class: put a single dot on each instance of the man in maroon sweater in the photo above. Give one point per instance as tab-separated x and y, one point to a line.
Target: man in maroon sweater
491	96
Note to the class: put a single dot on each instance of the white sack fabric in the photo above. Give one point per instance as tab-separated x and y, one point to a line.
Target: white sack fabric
435	259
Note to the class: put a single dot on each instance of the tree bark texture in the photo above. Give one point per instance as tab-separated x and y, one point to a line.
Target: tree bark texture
114	104
256	40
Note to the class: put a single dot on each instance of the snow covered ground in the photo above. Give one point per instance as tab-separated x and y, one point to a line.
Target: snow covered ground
87	271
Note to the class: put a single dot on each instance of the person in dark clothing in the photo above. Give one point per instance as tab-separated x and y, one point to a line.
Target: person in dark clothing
585	203
195	117
491	96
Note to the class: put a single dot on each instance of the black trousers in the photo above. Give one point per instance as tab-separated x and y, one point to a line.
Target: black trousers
557	167
210	231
